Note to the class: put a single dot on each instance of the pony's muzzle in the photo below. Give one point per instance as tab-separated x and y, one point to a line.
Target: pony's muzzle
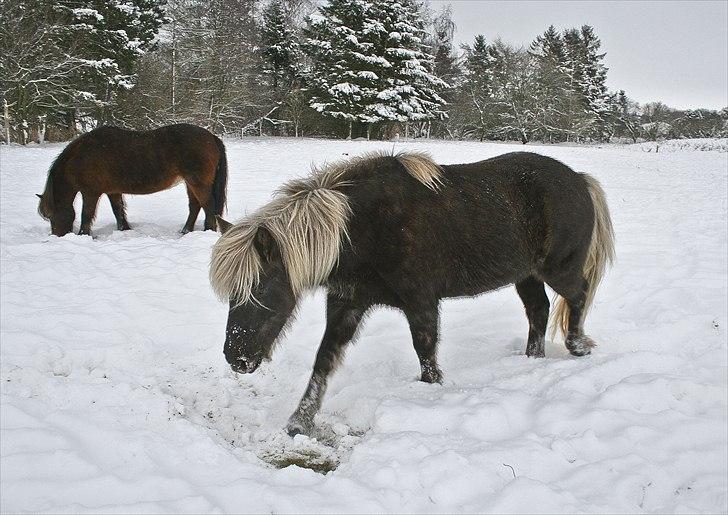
245	366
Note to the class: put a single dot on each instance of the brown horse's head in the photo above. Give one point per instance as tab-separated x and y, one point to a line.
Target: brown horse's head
60	217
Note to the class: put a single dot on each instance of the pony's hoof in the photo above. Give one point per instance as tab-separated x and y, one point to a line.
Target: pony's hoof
580	346
431	374
184	230
296	427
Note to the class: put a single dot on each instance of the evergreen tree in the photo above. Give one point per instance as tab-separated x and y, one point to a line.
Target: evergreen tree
477	89
369	63
593	80
114	34
446	64
410	89
551	85
280	48
341	77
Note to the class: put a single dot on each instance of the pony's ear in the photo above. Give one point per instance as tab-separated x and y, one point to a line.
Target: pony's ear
222	224
39	195
266	245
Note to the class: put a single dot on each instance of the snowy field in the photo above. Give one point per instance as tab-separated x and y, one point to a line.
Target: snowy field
116	397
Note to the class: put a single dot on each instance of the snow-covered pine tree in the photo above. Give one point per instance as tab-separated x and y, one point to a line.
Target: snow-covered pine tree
593	79
111	35
411	89
341	76
588	105
446	65
280	46
552	88
477	106
368	63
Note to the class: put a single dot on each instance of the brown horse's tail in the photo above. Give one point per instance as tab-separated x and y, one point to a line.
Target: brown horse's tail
219	185
600	254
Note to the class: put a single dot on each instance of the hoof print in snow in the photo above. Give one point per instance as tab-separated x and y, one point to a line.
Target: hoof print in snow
310	459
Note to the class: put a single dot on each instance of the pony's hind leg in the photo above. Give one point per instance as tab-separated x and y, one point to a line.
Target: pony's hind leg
119	208
424	329
536	302
90	200
570	311
194	206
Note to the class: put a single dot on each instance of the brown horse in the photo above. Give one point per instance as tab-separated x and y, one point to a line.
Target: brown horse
114	161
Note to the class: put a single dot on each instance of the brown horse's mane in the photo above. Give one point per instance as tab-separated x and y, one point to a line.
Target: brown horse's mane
47	200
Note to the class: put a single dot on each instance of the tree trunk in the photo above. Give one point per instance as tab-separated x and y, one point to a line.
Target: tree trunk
369	130
350	124
174	67
41	131
6	108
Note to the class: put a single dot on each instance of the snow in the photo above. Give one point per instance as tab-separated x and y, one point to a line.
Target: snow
116	397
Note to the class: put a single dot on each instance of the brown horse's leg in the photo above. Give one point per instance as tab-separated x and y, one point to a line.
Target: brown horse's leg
89	211
194	206
210	220
536	302
202	194
119	208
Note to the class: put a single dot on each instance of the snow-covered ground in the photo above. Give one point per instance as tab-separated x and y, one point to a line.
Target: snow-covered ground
116	396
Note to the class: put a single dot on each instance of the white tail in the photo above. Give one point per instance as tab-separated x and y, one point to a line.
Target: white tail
601	254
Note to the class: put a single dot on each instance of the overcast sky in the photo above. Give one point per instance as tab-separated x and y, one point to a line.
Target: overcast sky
673	51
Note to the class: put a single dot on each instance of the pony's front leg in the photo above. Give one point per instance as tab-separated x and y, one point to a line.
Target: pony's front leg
89	211
342	319
424	322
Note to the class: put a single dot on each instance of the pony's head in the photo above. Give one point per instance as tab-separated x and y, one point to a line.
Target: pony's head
60	217
260	309
262	265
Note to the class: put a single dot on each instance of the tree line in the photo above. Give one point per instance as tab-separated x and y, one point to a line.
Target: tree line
346	68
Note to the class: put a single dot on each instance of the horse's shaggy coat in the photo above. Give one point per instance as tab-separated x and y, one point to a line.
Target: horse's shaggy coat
308	220
114	161
404	232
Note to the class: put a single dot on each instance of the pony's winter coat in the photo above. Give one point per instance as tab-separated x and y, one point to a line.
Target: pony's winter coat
405	232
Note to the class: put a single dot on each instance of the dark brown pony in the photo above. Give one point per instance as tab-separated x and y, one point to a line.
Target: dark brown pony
115	161
405	232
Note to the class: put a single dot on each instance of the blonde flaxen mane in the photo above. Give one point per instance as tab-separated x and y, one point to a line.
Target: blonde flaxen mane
308	220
